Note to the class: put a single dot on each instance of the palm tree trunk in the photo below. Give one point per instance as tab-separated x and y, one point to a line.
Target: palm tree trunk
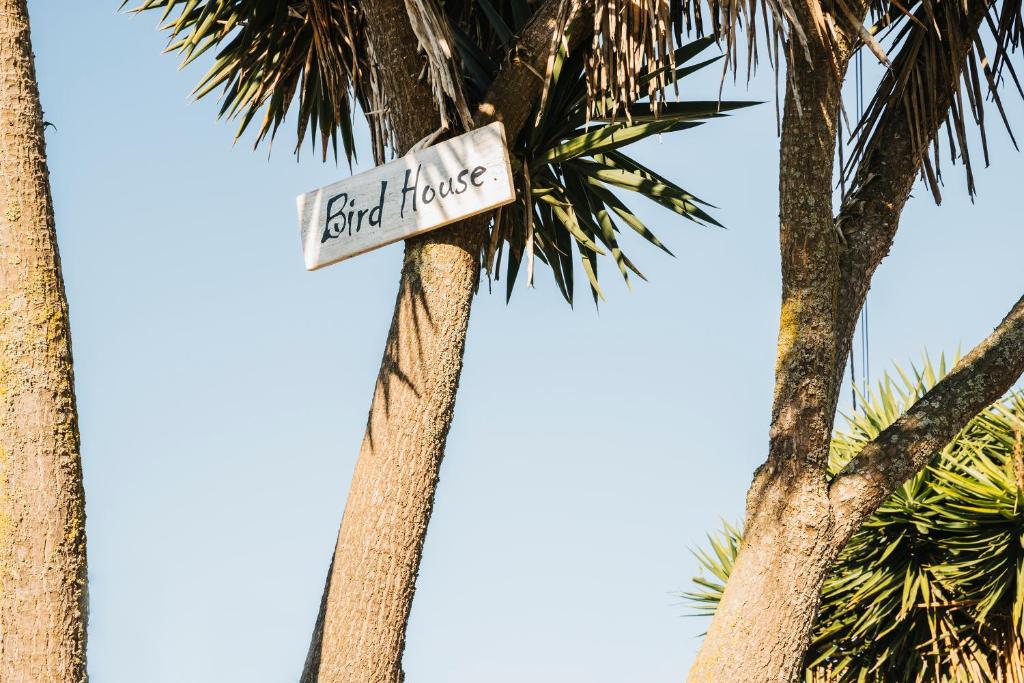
797	522
360	632
761	628
42	505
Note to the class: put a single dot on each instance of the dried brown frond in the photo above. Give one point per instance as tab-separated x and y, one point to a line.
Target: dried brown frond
948	57
945	59
346	61
444	69
629	35
271	54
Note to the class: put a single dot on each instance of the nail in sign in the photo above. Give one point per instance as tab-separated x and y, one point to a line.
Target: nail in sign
421	191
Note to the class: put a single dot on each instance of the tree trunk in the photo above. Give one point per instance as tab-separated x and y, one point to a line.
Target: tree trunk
760	630
360	632
797	521
42	505
763	622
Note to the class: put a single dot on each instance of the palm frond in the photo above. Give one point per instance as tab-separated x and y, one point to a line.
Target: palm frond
930	589
436	40
947	58
943	59
631	38
572	169
273	53
570	164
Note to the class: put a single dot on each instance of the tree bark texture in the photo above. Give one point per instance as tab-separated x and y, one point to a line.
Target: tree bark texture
42	505
761	627
796	520
360	630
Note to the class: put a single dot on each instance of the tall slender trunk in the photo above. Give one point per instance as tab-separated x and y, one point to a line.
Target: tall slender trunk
360	631
797	521
42	505
762	625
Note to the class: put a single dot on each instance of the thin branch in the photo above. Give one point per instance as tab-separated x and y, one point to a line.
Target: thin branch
979	379
516	88
870	214
803	406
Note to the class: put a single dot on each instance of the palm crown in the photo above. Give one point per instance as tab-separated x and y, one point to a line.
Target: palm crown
271	54
569	165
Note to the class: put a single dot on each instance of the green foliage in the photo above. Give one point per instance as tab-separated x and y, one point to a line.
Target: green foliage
569	170
271	53
944	60
572	174
929	589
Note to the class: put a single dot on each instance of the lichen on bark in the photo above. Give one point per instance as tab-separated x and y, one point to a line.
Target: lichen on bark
43	596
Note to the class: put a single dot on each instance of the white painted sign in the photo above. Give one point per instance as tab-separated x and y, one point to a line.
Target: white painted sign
421	191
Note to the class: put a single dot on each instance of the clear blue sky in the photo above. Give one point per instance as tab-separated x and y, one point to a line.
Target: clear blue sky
589	452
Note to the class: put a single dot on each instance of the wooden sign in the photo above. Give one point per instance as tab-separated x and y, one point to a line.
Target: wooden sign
422	191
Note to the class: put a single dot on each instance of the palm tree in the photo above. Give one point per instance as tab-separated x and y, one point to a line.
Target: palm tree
42	505
929	589
568	81
944	59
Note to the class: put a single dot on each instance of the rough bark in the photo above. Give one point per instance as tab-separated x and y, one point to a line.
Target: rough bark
980	377
786	547
360	630
870	215
761	628
42	510
796	521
